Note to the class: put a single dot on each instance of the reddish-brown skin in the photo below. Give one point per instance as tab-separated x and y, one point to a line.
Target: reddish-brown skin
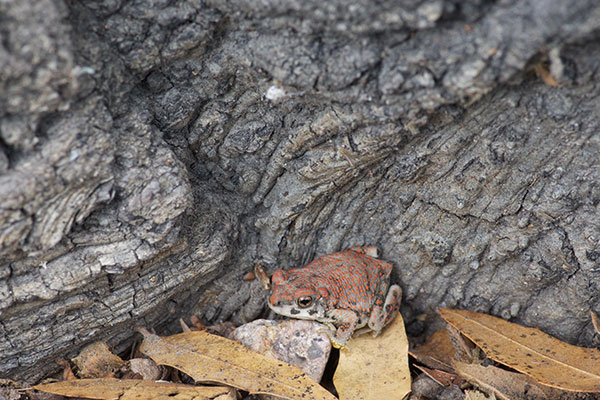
348	289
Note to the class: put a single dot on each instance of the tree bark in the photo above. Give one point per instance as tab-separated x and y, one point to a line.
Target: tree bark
151	153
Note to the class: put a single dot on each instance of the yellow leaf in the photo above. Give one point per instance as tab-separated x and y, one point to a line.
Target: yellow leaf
530	351
375	367
110	388
211	358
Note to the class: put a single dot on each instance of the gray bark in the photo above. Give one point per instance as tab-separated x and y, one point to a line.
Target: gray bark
145	166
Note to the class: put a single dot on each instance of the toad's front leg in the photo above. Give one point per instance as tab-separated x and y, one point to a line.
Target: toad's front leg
345	322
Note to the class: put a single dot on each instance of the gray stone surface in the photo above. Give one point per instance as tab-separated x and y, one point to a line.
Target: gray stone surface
146	164
303	344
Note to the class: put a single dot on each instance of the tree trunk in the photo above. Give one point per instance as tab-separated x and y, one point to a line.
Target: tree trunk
151	153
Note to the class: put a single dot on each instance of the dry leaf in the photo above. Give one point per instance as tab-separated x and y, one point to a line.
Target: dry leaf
545	75
224	329
375	368
261	273
145	368
110	388
232	395
197	324
503	384
530	351
463	351
475	395
437	352
211	358
595	322
443	378
184	326
68	374
97	361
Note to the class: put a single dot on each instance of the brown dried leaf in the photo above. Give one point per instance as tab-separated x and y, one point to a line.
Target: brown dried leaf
503	384
530	351
97	361
224	329
463	351
441	377
475	395
261	273
595	322
545	75
211	358
199	326
145	368
184	326
68	374
110	388
375	367
437	352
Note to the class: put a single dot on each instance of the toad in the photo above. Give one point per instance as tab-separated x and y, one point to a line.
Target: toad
348	291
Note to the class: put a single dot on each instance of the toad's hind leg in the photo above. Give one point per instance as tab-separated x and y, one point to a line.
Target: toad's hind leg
372	251
381	316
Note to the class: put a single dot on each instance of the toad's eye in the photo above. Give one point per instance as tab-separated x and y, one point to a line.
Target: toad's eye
304	301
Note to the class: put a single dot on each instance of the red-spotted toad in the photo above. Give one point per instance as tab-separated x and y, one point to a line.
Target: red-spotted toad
347	290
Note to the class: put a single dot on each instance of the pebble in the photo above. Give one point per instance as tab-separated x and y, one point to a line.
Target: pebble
296	342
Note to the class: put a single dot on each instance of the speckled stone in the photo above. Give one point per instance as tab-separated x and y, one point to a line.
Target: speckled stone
296	342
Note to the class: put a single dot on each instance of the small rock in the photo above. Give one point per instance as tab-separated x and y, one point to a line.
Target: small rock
424	386
296	342
452	392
